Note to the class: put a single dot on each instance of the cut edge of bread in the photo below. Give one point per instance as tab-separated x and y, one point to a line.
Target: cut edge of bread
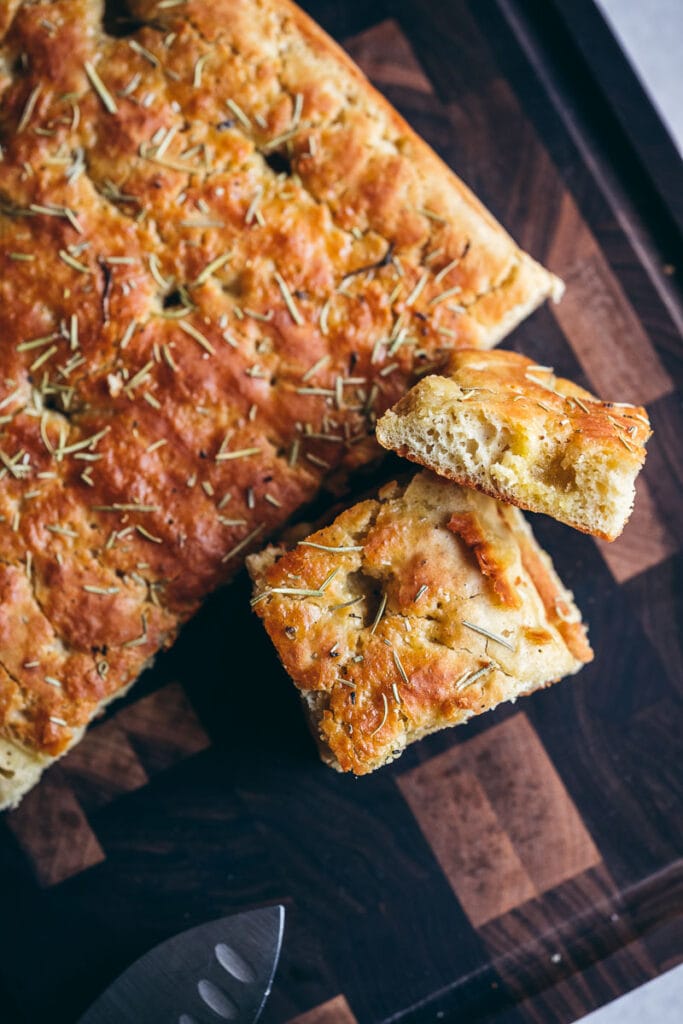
474	448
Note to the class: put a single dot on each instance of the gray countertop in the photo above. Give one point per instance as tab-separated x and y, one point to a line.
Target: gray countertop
660	1001
651	34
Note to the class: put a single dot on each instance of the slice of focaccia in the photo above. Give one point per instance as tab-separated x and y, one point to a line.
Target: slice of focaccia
413	612
222	256
503	424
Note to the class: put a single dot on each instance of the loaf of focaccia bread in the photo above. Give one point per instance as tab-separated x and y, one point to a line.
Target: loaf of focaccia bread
511	428
222	255
413	612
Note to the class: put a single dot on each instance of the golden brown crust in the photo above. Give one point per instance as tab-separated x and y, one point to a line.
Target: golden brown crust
189	343
378	618
492	562
518	433
559	609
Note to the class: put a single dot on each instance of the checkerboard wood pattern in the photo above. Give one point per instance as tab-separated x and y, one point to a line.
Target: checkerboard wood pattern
51	824
524	869
334	1011
499	793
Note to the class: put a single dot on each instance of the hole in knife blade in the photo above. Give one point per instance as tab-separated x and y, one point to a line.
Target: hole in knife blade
233	963
217	1000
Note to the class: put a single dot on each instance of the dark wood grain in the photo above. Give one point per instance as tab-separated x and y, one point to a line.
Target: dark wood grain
54	833
619	88
527	868
598	163
499	820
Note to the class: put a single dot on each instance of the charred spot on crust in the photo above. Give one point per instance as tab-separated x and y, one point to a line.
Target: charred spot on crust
172	300
360	584
52	401
118	20
278	162
20	65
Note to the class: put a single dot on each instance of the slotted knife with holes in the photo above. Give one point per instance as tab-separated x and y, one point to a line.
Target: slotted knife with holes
220	971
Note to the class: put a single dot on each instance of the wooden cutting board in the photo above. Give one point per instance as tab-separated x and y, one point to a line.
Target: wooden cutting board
525	868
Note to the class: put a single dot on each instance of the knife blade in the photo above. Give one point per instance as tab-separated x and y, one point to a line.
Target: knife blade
219	971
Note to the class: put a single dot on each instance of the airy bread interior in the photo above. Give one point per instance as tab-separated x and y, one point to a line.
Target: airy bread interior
545	474
527	450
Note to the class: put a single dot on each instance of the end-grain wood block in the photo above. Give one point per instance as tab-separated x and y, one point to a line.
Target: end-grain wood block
567	944
104	766
54	833
499	819
117	757
334	1011
645	542
658	597
386	57
163	728
472	847
569	994
597	318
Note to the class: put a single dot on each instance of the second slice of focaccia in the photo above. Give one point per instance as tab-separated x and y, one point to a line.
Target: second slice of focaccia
509	427
413	612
